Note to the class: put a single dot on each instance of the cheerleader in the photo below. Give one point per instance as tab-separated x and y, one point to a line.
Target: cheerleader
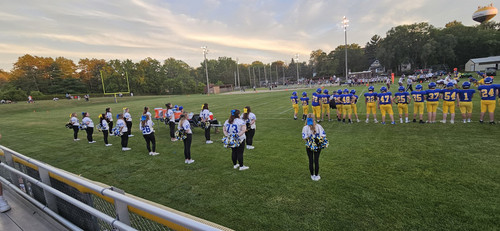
128	121
109	117
236	126
146	112
205	119
74	121
312	130
123	131
170	119
249	119
186	127
105	128
90	126
148	132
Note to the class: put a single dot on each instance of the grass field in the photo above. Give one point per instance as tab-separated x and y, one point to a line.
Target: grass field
374	177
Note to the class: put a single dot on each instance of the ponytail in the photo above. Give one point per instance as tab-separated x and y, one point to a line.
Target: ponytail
235	113
145	110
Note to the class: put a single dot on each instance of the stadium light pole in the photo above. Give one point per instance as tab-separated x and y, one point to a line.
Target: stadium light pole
297	61
345	24
238	72
205	52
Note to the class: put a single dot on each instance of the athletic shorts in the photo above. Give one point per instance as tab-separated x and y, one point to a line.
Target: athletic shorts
448	106
432	106
371	107
386	108
488	105
465	107
418	107
403	107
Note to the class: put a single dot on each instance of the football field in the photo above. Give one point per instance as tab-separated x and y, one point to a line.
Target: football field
373	176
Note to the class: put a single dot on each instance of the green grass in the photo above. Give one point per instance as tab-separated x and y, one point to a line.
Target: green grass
392	177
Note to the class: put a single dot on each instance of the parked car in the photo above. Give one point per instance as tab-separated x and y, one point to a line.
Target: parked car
491	71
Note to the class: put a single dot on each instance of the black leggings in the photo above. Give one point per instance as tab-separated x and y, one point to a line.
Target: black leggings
187	146
75	131
129	127
171	125
313	157
90	131
150	138
249	136
124	138
110	124
207	133
105	134
237	154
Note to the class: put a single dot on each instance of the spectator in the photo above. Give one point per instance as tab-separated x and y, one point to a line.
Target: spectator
4	206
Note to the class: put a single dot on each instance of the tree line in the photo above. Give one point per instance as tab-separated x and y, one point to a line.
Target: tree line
420	44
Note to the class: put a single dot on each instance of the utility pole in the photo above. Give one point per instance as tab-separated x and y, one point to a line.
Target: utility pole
345	24
205	52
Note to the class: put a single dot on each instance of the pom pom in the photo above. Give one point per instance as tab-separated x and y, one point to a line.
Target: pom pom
231	141
316	142
180	135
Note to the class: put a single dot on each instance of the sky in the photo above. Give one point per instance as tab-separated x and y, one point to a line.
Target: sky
245	29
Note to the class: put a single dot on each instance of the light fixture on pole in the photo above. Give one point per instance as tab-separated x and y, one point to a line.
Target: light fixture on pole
205	52
345	24
297	61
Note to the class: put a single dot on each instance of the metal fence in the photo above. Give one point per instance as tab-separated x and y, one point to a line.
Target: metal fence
81	204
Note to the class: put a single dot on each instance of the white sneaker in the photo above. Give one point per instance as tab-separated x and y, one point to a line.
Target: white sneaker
367	120
244	168
443	121
452	121
185	161
313	177
468	121
250	147
76	139
130	135
236	166
91	142
150	153
209	142
400	121
465	121
190	161
126	149
173	140
4	206
107	145
357	120
318	177
375	121
156	153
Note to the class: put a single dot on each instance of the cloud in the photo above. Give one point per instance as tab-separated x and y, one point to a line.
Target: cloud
248	29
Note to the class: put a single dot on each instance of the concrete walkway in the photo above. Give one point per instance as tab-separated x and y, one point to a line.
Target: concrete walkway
25	216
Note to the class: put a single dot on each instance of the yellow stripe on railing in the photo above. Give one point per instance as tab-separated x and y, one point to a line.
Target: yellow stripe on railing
81	188
25	163
157	219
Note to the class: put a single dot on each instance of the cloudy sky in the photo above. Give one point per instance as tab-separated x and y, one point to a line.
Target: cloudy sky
246	29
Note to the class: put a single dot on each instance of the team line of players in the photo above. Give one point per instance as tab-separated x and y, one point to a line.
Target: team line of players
345	102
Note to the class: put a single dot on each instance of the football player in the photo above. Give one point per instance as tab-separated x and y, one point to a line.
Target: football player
385	104
347	100
449	96
316	104
325	105
418	105
465	101
305	105
489	93
354	108
338	104
371	104
432	97
402	99
295	104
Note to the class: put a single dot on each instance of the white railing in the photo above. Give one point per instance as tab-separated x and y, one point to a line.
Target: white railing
122	203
